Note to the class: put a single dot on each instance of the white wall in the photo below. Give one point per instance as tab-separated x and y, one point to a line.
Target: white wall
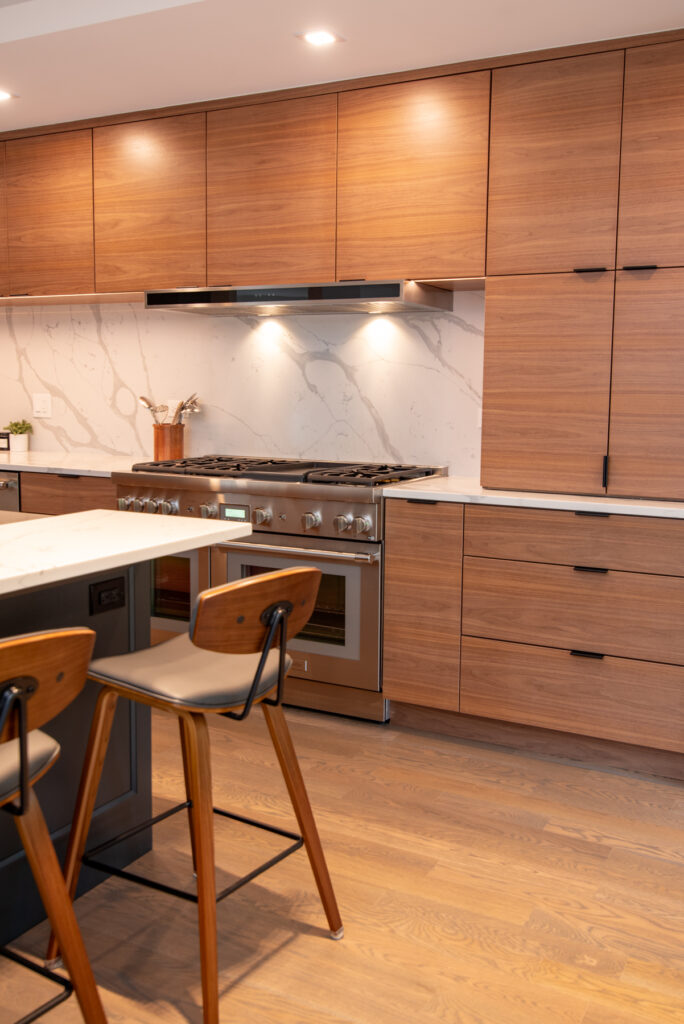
401	388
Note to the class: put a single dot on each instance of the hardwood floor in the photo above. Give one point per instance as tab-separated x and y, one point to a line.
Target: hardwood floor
476	885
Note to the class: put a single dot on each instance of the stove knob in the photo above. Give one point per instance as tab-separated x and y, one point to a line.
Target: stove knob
168	508
311	519
151	505
138	505
362	524
208	511
261	516
342	523
123	504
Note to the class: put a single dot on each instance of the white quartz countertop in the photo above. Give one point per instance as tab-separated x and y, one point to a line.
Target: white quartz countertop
78	463
56	548
469	491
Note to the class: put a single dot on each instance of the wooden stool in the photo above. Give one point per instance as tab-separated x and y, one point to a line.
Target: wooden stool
41	673
232	658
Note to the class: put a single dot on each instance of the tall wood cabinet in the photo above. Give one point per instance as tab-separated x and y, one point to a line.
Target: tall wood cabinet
412	179
547	382
50	213
422	605
271	171
554	165
651	227
4	265
150	203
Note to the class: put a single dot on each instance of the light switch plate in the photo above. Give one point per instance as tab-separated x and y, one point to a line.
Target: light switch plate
42	406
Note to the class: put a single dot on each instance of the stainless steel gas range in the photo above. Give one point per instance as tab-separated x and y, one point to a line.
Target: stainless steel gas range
325	514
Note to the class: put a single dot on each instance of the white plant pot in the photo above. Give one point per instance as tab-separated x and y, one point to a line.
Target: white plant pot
19	442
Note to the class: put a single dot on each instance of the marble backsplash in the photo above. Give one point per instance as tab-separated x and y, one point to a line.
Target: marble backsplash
370	388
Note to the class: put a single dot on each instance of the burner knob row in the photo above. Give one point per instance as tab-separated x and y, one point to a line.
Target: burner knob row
151	505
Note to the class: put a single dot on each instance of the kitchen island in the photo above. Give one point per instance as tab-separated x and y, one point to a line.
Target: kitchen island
88	569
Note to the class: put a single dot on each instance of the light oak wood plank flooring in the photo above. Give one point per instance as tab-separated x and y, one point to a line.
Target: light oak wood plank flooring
477	886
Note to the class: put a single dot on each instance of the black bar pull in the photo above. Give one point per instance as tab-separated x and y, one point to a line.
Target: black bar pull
422	501
587	654
589	270
604	475
597	515
588	568
642	266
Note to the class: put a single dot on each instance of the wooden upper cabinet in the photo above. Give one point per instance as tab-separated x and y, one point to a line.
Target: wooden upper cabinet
547	382
651	228
554	164
271	192
646	456
422	607
4	265
50	213
412	179
150	204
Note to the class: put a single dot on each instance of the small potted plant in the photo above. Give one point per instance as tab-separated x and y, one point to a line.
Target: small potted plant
19	431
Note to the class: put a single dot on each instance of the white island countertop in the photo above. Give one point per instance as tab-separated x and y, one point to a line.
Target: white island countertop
50	549
76	463
468	490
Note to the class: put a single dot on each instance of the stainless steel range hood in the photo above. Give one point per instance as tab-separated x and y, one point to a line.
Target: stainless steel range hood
290	300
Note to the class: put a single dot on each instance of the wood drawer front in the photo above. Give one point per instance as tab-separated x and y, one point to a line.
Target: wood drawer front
52	494
422	606
631	543
630	615
612	698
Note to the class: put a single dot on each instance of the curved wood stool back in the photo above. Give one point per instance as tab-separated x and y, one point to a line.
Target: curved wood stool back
40	674
255	615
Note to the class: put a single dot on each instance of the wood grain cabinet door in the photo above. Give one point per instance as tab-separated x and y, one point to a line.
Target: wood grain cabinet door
412	179
4	263
651	226
646	456
554	164
271	192
50	214
422	610
150	204
547	381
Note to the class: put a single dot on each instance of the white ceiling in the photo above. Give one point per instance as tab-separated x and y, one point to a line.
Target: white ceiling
78	58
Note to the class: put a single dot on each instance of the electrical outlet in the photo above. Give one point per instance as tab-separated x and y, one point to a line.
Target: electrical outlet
42	406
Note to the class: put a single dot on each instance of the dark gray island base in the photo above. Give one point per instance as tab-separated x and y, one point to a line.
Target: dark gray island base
124	799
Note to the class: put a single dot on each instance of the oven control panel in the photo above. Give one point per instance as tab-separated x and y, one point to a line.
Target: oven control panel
306	516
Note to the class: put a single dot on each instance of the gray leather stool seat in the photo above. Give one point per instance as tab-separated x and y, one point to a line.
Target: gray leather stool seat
183	674
42	751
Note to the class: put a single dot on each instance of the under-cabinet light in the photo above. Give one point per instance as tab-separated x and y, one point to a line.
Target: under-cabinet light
321	37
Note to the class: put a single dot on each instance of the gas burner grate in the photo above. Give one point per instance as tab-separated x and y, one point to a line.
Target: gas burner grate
375	475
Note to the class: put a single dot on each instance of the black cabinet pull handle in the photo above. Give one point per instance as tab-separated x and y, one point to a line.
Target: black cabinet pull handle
69	476
587	654
589	270
588	568
597	515
642	266
421	501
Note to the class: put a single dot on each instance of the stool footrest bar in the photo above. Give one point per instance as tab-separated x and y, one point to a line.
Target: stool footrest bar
44	972
90	858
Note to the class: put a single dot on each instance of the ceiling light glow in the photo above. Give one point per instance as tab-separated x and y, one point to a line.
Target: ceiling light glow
5	95
321	37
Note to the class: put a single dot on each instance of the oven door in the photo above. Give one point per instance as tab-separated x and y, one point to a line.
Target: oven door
341	642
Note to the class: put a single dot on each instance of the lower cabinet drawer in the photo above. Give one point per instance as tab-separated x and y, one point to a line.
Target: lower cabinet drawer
610	698
627	614
56	493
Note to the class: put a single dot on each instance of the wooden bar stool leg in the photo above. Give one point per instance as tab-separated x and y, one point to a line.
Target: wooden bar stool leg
285	751
42	858
96	751
196	745
187	792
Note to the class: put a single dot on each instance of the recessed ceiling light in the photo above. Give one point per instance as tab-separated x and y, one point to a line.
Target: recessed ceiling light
320	37
5	95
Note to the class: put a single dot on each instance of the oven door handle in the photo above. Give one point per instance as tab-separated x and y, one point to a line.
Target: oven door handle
369	558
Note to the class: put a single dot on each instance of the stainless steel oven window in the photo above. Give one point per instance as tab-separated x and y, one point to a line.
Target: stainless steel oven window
346	578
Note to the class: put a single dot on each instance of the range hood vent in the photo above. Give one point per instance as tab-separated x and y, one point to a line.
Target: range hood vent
291	300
